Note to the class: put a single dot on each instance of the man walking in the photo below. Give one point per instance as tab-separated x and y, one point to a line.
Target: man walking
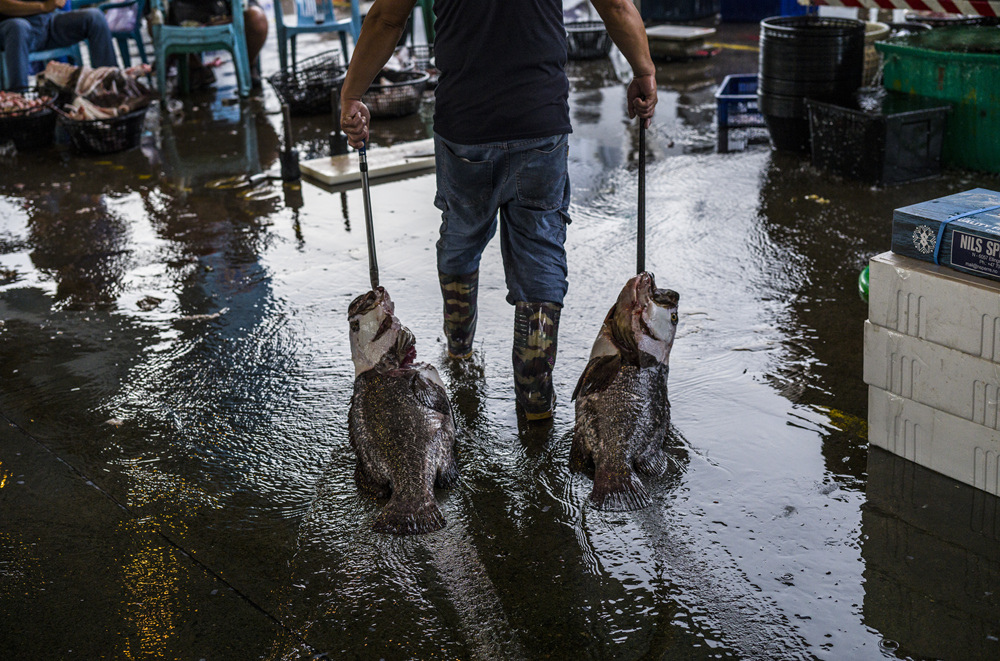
501	125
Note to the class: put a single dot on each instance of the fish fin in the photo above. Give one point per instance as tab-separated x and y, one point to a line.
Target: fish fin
448	475
579	459
653	463
430	394
617	491
598	375
368	484
408	517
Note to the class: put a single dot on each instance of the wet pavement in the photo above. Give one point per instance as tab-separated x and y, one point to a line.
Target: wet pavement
175	475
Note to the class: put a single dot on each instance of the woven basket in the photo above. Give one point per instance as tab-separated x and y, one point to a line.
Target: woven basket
423	60
587	40
105	136
307	87
29	130
873	59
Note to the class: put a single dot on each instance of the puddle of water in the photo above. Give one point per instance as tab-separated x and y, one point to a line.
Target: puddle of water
179	337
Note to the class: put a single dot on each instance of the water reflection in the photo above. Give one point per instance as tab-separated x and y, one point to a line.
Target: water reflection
931	562
79	241
243	143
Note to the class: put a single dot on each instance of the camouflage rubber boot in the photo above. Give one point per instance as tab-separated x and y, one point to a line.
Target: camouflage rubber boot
536	327
459	293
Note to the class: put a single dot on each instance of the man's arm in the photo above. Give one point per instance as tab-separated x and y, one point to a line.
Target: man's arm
626	29
380	33
19	8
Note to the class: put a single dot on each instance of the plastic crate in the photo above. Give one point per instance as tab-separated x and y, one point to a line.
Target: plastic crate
105	136
935	303
961	66
29	130
736	108
944	379
899	142
308	86
962	450
587	40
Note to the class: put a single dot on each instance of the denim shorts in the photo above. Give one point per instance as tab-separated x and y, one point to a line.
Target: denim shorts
525	182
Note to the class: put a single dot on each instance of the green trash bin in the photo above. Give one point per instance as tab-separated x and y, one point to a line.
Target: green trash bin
960	65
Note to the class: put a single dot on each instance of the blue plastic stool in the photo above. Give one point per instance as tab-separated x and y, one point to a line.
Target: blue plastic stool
169	39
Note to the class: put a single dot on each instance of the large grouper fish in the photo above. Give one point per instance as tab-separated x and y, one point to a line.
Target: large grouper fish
400	423
622	410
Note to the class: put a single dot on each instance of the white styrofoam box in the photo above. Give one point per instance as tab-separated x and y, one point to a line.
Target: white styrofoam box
935	303
962	450
942	378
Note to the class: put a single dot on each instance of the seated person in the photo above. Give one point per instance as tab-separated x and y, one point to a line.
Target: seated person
33	25
215	12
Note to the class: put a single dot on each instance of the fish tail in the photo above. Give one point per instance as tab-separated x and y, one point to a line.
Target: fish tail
409	517
618	491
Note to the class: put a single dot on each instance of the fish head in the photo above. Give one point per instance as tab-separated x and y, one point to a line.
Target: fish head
644	319
377	337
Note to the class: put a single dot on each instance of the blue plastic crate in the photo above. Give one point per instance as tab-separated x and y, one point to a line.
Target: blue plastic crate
752	11
736	108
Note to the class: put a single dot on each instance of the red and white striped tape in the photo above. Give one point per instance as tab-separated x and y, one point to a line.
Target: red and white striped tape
980	7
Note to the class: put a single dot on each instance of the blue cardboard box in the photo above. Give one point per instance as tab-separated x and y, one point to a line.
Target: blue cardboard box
960	231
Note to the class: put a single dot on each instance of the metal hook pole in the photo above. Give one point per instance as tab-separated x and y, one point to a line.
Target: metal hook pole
369	224
641	216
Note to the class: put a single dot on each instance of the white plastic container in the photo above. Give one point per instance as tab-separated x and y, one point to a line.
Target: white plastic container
962	450
936	304
946	379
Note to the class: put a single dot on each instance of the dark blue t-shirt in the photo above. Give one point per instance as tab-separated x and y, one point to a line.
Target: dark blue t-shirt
502	70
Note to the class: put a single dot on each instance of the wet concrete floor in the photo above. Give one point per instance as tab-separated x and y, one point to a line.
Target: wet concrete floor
175	475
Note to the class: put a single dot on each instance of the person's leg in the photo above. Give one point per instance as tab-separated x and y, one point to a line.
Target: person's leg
255	27
532	235
70	27
533	220
19	37
466	195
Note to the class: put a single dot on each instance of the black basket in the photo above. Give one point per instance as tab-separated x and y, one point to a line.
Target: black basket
399	96
898	141
587	40
307	87
423	60
105	136
32	129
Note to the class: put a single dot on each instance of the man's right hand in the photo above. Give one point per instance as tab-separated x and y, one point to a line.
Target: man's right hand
354	121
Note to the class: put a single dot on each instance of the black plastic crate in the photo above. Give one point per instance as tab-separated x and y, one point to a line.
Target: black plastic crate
897	138
587	40
307	87
736	108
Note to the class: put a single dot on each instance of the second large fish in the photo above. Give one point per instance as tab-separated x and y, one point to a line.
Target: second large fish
622	410
400	423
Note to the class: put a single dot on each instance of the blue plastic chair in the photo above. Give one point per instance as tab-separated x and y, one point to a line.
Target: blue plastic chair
169	39
311	17
71	52
121	37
